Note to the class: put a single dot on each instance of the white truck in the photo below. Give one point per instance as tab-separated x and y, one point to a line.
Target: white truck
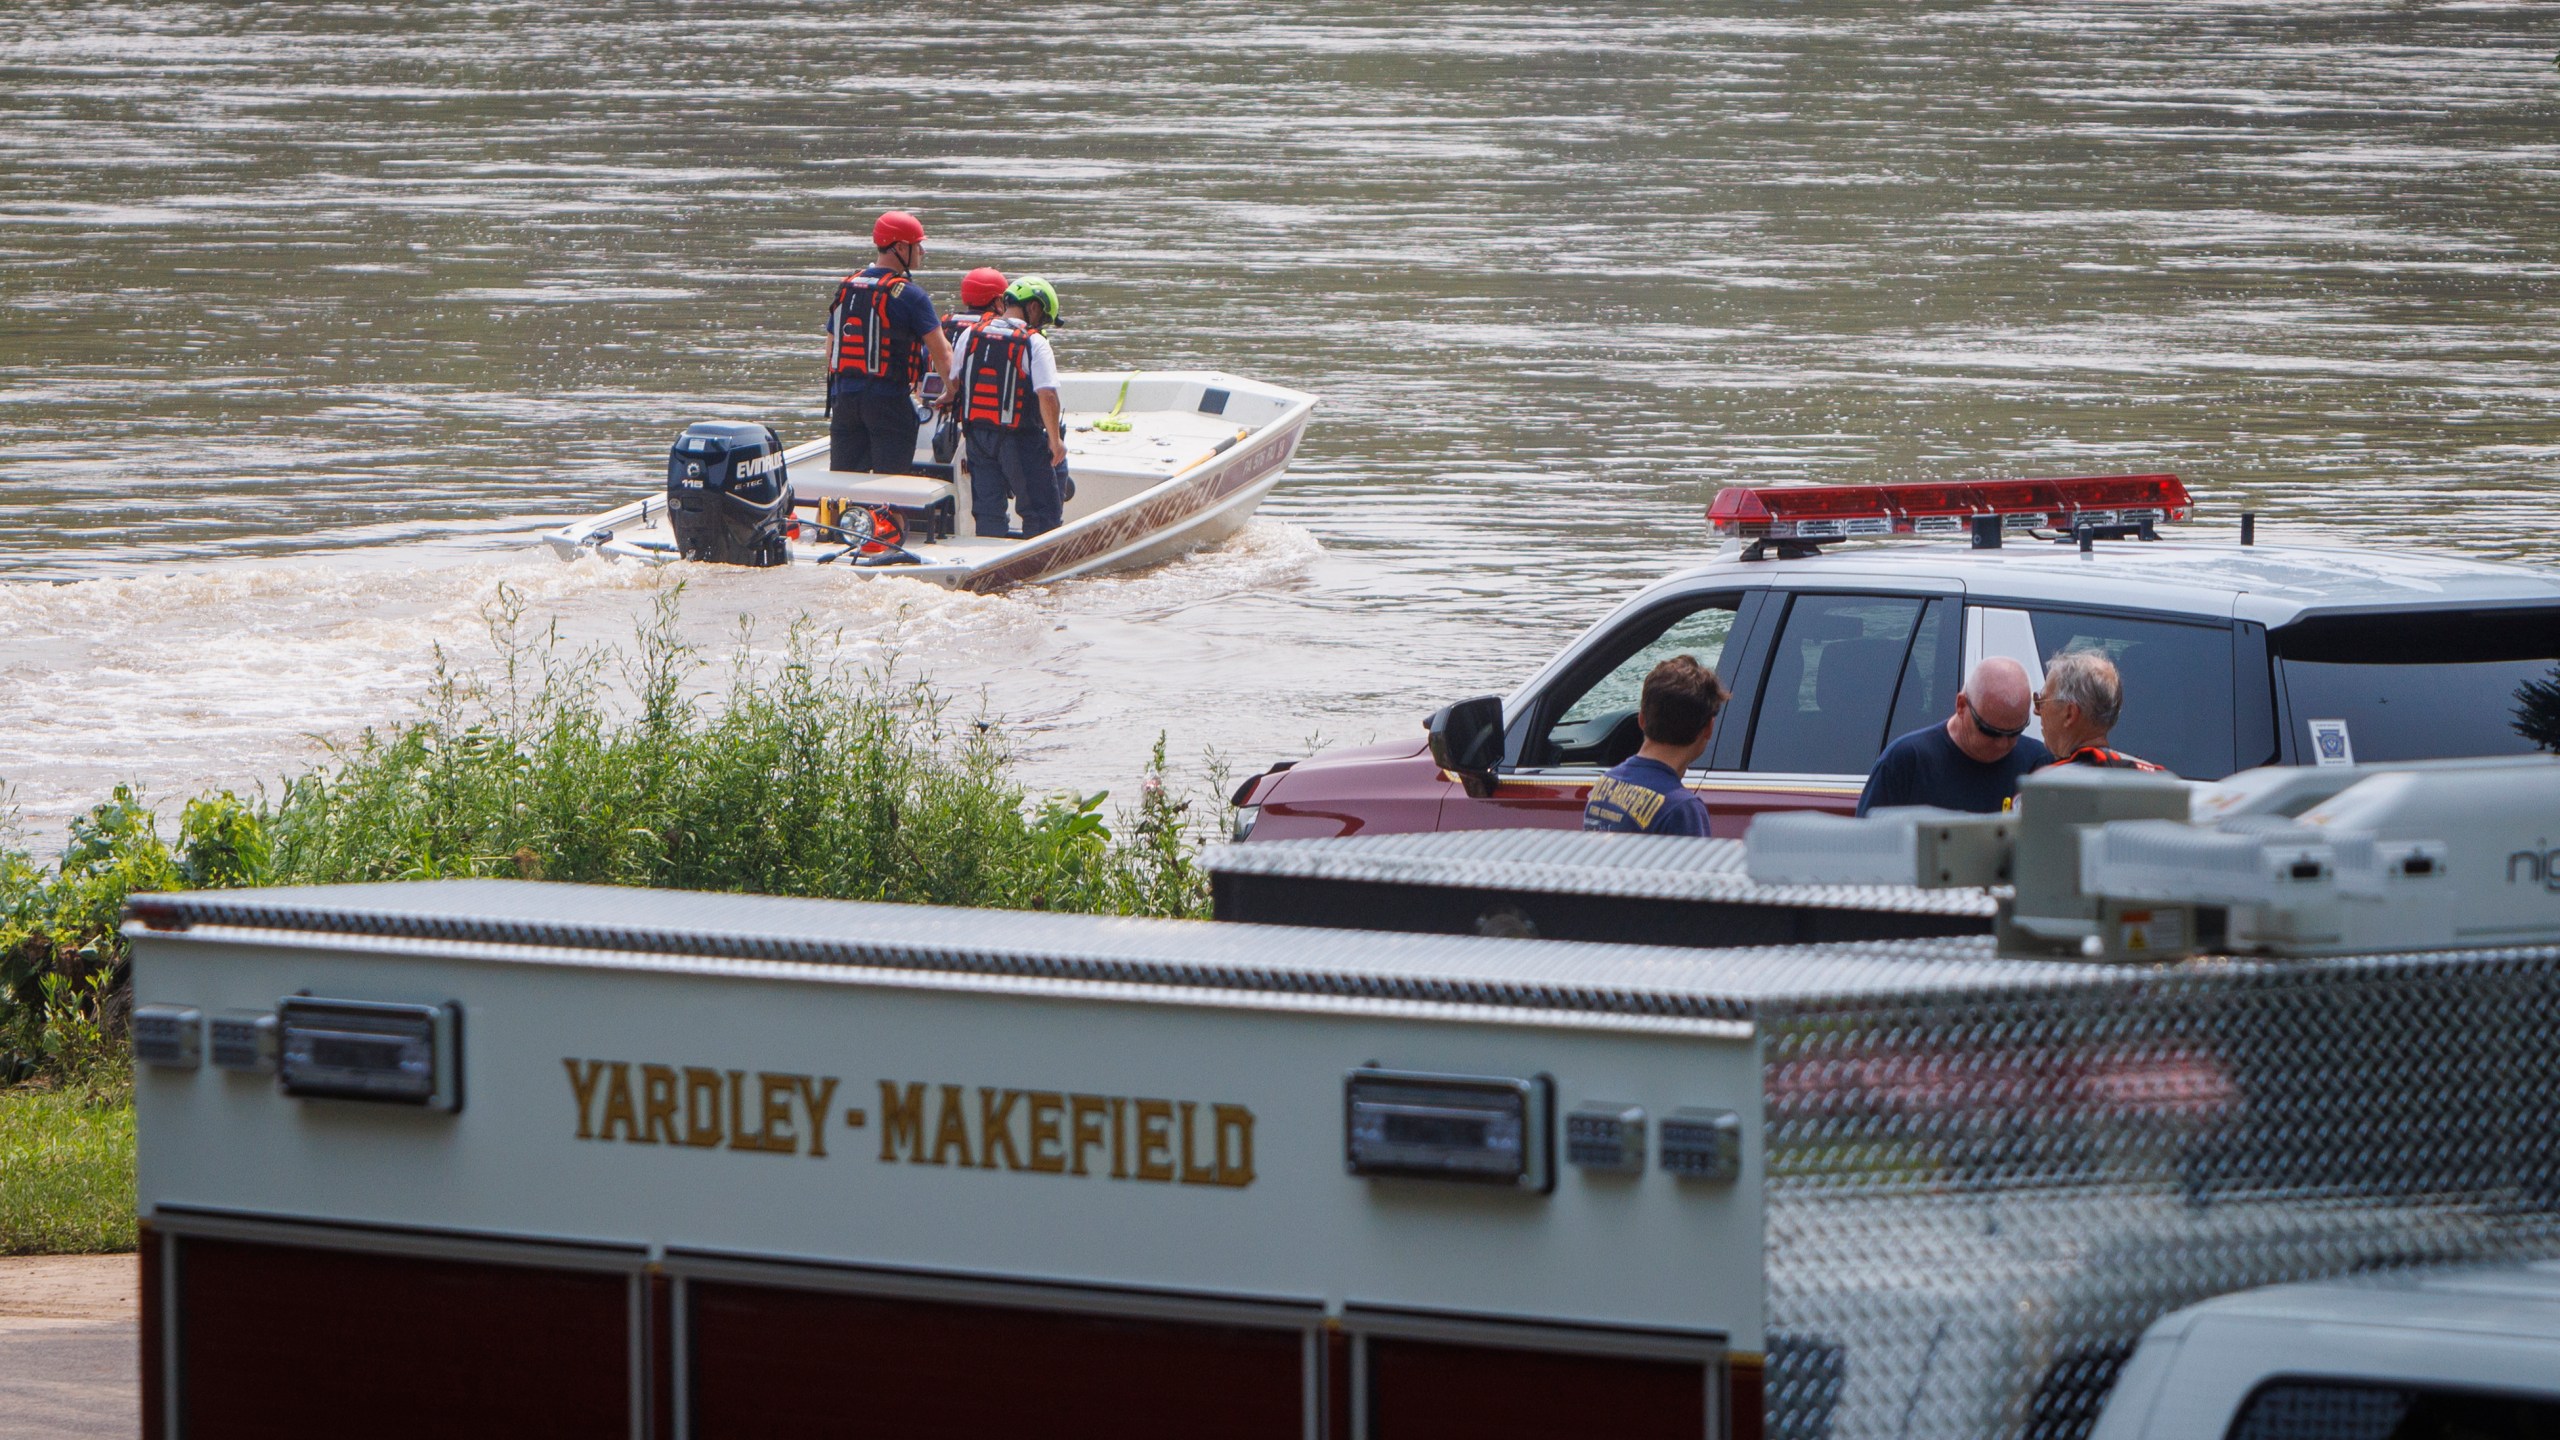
501	1158
2405	1356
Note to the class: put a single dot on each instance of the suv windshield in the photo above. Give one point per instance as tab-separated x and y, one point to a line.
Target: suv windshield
2424	687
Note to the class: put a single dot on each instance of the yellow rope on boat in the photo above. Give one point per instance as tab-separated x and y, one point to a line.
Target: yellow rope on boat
1112	422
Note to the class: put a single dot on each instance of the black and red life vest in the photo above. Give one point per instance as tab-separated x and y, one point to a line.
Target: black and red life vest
996	388
2107	759
865	343
960	323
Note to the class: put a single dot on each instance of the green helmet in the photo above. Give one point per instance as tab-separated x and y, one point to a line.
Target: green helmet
1032	287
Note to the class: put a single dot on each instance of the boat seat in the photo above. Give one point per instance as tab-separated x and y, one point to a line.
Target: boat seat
906	492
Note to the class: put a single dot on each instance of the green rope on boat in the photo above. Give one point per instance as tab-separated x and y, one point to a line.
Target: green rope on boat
1112	422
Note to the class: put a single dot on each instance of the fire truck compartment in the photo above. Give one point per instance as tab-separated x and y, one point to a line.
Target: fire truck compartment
529	1157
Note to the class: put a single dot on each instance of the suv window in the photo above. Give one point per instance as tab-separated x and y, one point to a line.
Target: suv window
2306	1409
1832	680
1598	726
1928	692
2425	687
2177	685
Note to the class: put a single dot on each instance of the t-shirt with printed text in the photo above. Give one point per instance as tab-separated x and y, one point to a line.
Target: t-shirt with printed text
1643	796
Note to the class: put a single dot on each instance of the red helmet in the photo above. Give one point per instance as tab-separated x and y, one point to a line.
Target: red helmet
980	287
896	228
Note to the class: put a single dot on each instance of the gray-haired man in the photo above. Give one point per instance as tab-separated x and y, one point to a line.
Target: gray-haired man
2081	701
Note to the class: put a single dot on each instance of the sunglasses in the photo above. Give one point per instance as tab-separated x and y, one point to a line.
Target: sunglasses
1992	731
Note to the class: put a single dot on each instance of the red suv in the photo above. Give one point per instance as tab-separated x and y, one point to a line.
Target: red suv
2232	656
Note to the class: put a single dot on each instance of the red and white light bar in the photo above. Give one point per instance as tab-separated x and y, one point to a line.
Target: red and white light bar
1842	512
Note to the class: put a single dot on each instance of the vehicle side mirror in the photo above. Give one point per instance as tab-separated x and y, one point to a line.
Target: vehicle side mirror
1466	741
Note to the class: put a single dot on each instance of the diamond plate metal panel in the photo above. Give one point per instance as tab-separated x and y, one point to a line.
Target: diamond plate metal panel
1570	862
1976	1202
611	927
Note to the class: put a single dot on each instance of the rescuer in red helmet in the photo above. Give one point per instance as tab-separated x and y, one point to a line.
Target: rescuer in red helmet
981	296
883	337
1005	388
981	300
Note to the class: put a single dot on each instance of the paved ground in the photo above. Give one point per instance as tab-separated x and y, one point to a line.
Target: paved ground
68	1362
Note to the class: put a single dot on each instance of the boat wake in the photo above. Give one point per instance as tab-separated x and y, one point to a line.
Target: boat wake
1264	555
233	676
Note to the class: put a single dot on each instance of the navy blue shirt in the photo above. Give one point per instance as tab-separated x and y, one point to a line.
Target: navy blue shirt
912	316
1925	768
1644	797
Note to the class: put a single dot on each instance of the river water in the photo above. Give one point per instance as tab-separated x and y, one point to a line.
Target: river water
310	315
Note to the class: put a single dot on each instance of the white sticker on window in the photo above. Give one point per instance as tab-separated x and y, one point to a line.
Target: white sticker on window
2330	745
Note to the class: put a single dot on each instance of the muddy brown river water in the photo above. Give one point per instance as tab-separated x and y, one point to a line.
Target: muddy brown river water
310	315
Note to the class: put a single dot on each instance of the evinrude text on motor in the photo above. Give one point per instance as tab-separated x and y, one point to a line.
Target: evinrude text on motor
729	494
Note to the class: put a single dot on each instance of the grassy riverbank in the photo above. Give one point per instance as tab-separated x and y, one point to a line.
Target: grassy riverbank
803	776
66	1173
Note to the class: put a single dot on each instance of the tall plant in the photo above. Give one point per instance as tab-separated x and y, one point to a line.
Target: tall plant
803	776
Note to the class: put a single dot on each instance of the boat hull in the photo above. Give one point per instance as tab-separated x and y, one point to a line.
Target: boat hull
1162	508
1205	505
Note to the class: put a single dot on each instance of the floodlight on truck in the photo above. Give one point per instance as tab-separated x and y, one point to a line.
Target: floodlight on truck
367	1050
1490	1130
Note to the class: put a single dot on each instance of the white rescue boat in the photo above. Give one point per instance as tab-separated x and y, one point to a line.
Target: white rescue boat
1162	461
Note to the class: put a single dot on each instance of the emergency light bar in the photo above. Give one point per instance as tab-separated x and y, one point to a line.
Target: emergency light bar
1842	512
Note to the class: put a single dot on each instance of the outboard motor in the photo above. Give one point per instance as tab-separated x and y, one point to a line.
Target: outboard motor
728	494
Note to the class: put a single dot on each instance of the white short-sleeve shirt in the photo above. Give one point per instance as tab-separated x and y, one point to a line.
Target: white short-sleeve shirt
1044	361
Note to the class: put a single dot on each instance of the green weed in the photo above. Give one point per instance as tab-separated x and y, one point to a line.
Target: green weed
804	776
66	1174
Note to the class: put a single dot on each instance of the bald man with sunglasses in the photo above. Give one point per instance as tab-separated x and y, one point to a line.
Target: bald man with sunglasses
1974	761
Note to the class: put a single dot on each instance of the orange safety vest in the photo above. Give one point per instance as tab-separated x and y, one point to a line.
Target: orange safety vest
2106	759
996	388
865	343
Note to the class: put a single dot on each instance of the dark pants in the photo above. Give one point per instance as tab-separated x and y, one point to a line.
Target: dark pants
874	430
1011	464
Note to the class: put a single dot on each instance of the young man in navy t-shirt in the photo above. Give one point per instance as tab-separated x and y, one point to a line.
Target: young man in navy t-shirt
1643	795
1974	761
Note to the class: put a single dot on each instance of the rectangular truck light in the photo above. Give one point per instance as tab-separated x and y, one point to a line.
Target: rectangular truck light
366	1050
169	1036
1606	1138
1491	1130
244	1040
1703	1145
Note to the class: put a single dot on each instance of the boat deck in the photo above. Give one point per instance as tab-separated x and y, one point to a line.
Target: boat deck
1108	466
